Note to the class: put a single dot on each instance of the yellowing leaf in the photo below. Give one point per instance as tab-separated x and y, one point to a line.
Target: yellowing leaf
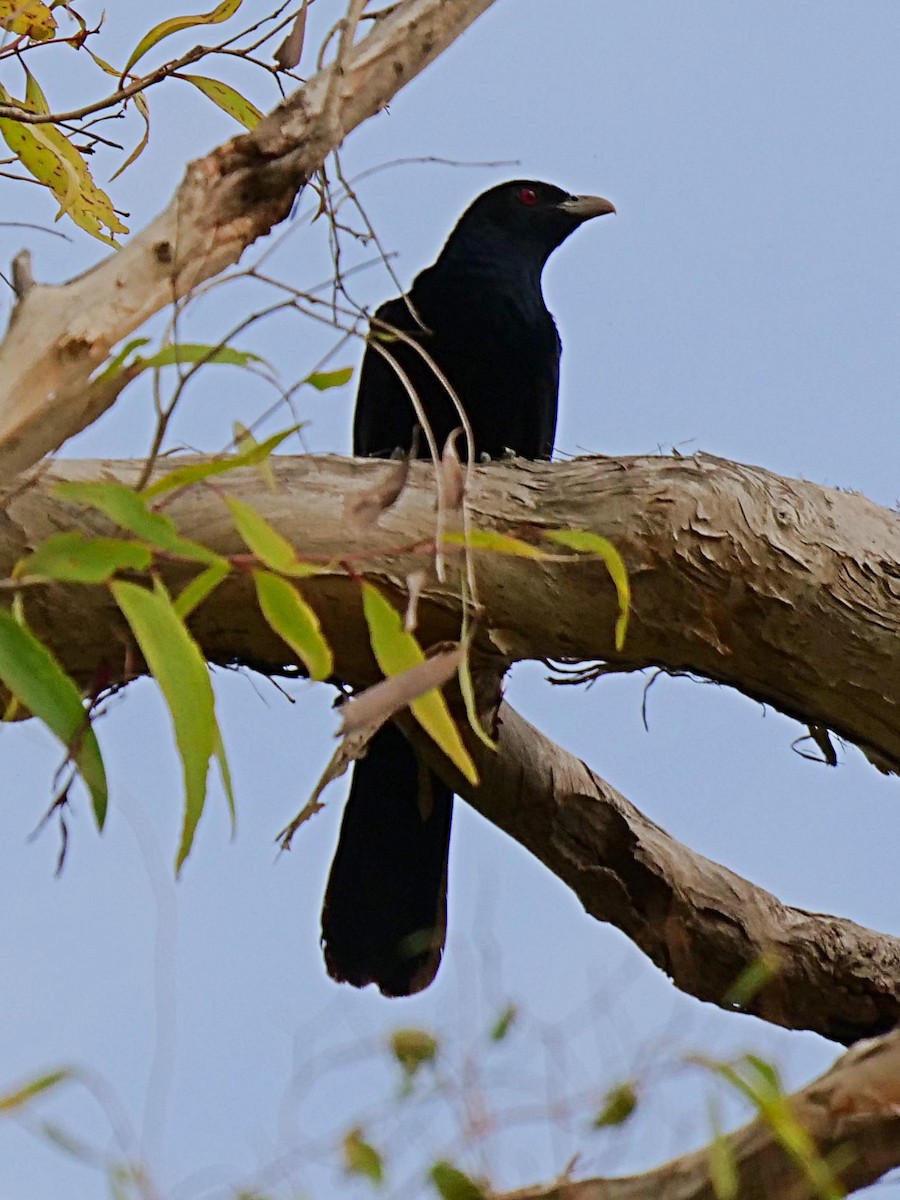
176	663
413	1049
500	543
227	99
294	621
20	1096
396	651
30	17
269	546
585	542
39	683
47	154
175	25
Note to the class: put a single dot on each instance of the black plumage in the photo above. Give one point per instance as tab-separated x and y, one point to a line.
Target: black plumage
479	314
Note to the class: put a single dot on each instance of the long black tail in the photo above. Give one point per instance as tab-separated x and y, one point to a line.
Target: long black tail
385	911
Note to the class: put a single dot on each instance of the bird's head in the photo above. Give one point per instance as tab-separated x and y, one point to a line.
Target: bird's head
525	217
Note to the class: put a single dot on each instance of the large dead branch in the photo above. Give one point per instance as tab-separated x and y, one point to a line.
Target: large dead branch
852	1113
705	541
58	336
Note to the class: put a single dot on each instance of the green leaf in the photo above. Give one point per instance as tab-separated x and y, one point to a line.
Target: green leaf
227	782
74	558
723	1169
115	365
129	509
500	543
504	1023
196	472
269	546
323	380
754	977
294	621
176	663
413	1049
585	542
194	593
453	1184
38	682
184	353
20	1096
246	442
396	651
227	99
175	25
618	1105
361	1158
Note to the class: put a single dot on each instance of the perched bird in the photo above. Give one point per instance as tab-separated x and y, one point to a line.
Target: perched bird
479	314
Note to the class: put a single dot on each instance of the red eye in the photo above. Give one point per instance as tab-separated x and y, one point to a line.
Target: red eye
527	196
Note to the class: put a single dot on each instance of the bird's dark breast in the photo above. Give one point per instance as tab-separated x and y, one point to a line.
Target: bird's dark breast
502	364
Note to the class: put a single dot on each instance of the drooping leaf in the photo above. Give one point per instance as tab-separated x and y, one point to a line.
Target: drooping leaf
723	1169
361	1158
269	546
397	651
74	558
38	682
585	542
323	380
48	155
287	56
194	593
175	25
229	100
294	621
26	1092
176	663
29	17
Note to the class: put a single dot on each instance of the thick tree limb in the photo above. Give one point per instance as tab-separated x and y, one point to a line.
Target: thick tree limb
699	922
852	1113
788	591
820	620
58	336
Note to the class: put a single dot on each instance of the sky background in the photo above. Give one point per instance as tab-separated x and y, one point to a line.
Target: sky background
745	301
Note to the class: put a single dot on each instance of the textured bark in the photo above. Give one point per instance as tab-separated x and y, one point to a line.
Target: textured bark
788	591
59	336
852	1113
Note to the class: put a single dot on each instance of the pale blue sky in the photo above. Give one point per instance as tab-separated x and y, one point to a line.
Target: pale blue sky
745	301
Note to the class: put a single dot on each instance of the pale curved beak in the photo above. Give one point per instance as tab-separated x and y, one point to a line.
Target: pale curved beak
585	207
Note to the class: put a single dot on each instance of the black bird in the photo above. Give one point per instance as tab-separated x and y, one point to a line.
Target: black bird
479	313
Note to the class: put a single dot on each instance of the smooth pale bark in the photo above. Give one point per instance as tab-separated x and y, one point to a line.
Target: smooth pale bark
59	336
